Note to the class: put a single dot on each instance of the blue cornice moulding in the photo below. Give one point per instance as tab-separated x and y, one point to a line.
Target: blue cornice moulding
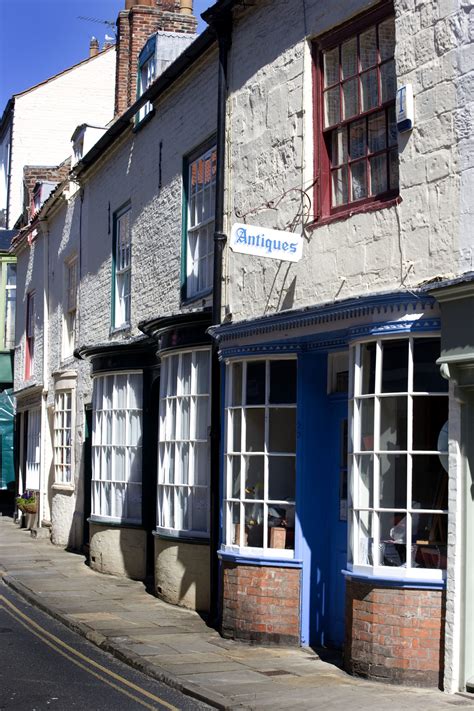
350	309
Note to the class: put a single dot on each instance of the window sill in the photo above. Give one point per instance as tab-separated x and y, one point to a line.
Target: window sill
141	123
252	557
397	579
67	488
355	210
116	330
189	300
167	534
113	522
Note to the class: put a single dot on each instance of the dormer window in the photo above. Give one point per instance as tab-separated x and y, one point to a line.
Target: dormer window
146	74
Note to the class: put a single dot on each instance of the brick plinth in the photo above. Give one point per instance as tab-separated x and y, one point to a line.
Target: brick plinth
395	635
261	604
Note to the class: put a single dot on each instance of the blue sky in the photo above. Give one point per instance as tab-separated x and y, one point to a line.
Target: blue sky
39	38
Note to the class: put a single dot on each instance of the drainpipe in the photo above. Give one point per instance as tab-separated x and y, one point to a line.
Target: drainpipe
223	28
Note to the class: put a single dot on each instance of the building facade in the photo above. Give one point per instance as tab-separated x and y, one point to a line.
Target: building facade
272	261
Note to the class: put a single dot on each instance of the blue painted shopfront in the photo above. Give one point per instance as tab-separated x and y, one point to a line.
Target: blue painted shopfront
321	419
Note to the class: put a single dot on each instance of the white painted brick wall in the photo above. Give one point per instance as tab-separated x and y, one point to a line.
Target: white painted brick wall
46	116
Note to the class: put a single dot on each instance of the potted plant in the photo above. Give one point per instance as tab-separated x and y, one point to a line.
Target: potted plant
27	502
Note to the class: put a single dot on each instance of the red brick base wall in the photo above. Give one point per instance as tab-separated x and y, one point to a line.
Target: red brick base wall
261	604
395	635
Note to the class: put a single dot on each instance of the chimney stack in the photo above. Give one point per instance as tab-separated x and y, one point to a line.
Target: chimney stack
139	20
93	47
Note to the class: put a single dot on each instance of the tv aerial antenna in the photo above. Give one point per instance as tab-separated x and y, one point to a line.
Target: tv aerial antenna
110	24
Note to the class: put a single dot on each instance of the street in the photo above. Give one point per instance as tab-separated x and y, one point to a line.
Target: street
44	665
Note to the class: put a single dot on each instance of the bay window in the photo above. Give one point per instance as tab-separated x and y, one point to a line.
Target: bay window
117	447
260	457
184	464
399	458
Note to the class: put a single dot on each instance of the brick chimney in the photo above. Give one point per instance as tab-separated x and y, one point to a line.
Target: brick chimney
93	47
139	20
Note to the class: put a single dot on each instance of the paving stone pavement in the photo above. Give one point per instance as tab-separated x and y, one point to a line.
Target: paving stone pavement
174	645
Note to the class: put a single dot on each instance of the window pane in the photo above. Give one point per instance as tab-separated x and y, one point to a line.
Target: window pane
282	430
367	424
377	139
237	536
201	418
430	536
331	106
378	174
236	418
234	468
201	464
387	38
184	405
254	477
349	58
339	153
388	81
200	504
358	139
339	187
430	414
430	482
185	377
281	526
393	423
350	98
364	520
255	392
395	367
359	180
331	66
368	368
393	481
426	373
368	48
282	382
255	429
369	90
236	396
365	481
254	524
202	372
393	550
281	478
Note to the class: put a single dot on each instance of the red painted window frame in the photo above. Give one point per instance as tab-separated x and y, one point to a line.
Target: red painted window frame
322	170
29	334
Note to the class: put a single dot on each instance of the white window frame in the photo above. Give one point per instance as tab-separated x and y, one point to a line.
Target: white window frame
356	492
10	304
122	267
178	488
113	449
231	452
146	76
201	195
63	437
70	307
30	335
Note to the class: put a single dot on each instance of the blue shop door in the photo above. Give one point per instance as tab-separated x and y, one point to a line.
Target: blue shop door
327	528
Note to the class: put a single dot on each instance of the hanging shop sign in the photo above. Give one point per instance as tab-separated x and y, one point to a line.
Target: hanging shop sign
263	242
